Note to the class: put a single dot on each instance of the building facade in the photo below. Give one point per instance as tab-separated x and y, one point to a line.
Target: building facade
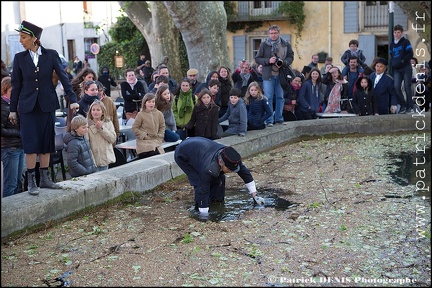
328	28
70	27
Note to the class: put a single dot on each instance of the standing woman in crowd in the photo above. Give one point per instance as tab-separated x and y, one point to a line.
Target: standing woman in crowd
149	128
225	88
34	100
164	100
83	76
205	116
12	154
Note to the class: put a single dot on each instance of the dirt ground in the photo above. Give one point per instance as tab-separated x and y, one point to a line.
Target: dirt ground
352	225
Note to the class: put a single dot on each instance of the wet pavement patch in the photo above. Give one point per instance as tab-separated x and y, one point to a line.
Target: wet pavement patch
238	202
405	168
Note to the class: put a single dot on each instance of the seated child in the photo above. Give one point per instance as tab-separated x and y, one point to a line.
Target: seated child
78	152
236	115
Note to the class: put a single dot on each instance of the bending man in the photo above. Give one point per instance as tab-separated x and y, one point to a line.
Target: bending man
205	162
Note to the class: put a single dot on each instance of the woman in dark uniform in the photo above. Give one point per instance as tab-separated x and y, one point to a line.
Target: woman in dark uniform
34	102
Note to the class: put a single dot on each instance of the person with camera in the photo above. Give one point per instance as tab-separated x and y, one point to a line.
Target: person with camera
271	50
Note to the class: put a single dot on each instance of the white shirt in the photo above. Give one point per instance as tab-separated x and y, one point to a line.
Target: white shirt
377	78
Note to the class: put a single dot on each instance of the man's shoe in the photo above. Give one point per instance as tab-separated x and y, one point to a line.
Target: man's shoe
409	111
269	125
402	110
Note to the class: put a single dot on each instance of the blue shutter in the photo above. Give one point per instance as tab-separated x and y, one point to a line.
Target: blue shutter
351	16
368	44
239	43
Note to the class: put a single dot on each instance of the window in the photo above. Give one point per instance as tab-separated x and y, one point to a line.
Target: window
255	43
259	8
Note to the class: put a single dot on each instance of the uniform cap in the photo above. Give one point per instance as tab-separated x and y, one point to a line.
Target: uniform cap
30	29
231	159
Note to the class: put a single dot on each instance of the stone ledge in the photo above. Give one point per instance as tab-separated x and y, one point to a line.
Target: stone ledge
23	211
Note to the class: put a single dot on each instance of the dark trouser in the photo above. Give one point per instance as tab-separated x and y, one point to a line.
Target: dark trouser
217	191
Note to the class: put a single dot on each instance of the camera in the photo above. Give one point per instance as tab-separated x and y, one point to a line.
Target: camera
279	61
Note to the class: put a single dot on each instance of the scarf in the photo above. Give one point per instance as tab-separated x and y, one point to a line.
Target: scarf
295	87
185	103
245	78
333	105
274	44
5	98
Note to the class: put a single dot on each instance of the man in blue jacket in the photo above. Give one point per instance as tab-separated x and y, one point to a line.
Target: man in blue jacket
205	162
401	53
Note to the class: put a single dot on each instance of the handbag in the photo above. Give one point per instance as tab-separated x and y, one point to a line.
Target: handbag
286	74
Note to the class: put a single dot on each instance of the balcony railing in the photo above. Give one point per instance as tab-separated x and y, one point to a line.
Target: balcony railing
256	10
376	14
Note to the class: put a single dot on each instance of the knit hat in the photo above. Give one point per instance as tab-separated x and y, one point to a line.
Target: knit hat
30	29
231	159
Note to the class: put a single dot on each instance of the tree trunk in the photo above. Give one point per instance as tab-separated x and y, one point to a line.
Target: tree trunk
203	28
159	31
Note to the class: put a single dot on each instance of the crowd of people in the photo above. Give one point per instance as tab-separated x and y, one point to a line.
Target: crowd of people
163	110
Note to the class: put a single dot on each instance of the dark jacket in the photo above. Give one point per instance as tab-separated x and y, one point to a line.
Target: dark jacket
384	93
10	133
238	80
129	94
78	154
258	111
107	80
401	54
205	121
30	85
265	53
364	103
85	102
309	97
198	158
237	118
347	55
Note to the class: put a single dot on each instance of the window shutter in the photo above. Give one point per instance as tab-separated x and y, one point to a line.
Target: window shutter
351	16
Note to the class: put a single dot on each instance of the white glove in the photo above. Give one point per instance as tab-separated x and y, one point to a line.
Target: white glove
74	106
204	211
13	117
393	109
259	200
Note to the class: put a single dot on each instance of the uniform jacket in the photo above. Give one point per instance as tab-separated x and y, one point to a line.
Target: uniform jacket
31	84
78	154
149	129
101	142
198	158
384	93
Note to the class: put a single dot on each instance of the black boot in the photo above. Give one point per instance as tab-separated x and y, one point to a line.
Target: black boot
32	187
45	181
